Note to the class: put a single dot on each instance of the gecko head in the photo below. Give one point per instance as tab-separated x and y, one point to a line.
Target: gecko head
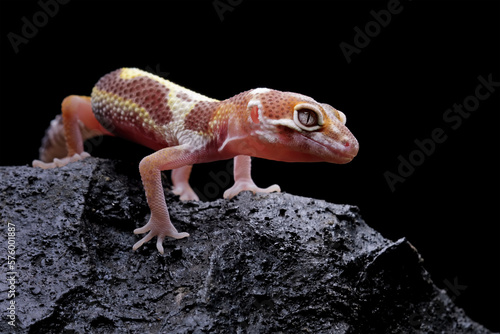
298	128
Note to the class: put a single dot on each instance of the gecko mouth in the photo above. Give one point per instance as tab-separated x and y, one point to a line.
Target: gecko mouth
340	156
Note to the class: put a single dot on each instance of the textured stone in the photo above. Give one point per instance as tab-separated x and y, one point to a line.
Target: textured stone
255	264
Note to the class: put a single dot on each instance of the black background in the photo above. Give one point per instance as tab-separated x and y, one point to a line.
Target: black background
394	91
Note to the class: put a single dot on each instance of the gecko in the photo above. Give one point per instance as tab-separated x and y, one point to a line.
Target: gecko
186	128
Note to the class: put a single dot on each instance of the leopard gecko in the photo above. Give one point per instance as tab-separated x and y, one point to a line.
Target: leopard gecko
186	128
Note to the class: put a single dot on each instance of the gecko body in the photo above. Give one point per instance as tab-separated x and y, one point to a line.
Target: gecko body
186	128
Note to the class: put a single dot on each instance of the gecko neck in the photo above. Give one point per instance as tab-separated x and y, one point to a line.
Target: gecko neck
236	133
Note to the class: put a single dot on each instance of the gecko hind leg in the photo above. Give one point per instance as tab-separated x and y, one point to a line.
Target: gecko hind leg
243	180
63	141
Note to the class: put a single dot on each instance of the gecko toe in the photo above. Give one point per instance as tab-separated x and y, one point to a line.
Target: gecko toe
181	235
272	189
248	185
142	230
60	162
139	243
159	245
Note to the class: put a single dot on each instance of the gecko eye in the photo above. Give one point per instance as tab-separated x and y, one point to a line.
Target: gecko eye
307	117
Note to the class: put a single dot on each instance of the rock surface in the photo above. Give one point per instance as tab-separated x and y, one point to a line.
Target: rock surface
255	264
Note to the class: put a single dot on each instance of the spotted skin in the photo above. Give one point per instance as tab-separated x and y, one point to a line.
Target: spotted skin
186	128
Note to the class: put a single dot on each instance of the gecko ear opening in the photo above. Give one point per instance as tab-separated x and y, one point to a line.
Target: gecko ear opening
254	114
255	108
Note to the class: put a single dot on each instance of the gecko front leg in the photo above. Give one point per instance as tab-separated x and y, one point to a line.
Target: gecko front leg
243	179
159	224
180	179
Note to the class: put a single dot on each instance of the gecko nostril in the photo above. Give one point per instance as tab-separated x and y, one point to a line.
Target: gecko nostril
345	142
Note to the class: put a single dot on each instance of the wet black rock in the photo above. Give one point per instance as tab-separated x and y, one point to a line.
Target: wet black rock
255	264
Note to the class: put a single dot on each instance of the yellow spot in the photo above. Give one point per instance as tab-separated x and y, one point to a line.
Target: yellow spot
130	73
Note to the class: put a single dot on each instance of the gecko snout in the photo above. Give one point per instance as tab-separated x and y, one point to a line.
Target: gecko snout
351	147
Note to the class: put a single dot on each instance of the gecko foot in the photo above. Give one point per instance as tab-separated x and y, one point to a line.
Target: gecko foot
243	185
60	162
158	229
185	192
